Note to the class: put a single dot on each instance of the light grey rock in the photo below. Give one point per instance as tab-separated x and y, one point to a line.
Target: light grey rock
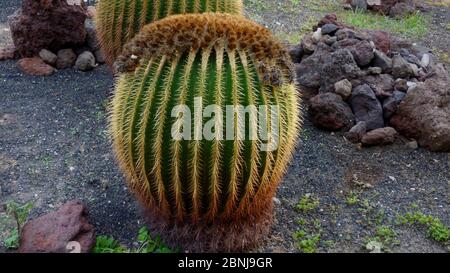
425	62
85	62
374	70
48	57
317	35
343	88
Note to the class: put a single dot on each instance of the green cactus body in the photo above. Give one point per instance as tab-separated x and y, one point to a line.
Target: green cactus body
119	20
225	60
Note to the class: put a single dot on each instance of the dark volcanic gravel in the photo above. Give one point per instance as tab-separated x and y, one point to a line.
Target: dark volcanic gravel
54	147
7	8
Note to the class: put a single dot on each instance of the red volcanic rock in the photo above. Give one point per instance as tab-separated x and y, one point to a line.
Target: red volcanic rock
330	18
381	136
328	111
424	114
35	67
61	231
381	39
49	24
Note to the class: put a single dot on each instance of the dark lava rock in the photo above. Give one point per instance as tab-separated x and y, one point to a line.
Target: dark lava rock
91	35
401	68
296	53
382	61
308	44
345	33
382	85
59	231
99	56
366	107
329	29
330	18
66	58
345	43
328	40
390	104
337	66
47	24
328	111
398	43
410	58
309	70
363	53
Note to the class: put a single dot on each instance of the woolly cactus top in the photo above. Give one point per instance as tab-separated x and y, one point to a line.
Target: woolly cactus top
191	32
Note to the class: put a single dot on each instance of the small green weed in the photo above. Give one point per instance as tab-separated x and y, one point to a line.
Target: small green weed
352	198
147	244
436	229
18	214
307	243
384	238
414	26
307	204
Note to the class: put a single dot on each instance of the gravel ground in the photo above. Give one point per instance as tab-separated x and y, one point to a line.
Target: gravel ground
54	148
438	36
7	7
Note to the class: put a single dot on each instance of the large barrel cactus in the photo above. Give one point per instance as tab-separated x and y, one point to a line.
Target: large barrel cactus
119	20
205	193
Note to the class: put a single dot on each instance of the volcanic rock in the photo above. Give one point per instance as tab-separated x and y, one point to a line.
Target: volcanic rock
44	24
366	107
35	67
60	231
328	111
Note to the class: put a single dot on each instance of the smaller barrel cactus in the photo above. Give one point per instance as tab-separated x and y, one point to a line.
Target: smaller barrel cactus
119	20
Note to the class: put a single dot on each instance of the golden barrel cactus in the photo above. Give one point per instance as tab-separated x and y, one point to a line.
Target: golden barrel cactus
118	21
205	193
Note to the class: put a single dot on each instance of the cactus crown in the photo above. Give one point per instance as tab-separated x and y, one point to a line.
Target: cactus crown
119	20
182	33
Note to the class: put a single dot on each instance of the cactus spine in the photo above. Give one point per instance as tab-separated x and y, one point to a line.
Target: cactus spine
119	20
222	189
